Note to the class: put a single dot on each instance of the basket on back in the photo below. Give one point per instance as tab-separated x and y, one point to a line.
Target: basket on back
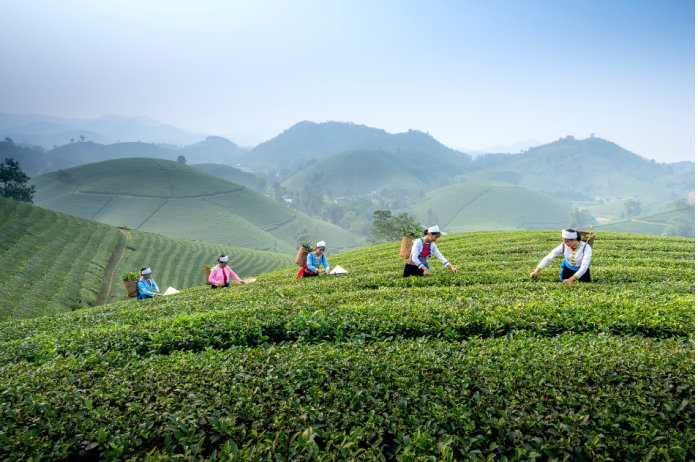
131	288
302	257
406	247
207	272
588	237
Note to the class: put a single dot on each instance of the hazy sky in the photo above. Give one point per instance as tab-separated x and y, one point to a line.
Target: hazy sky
471	73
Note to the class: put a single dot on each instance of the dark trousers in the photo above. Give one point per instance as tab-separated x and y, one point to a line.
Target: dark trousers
227	284
143	296
309	275
568	273
411	270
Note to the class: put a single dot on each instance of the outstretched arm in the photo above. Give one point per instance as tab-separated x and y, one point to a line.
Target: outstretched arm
556	252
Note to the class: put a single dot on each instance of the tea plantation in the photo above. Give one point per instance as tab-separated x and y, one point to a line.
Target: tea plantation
53	263
172	199
482	365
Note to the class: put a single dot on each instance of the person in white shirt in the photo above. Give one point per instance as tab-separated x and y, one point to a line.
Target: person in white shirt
575	265
422	249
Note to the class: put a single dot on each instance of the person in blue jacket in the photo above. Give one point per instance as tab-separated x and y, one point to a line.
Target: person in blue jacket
315	259
146	285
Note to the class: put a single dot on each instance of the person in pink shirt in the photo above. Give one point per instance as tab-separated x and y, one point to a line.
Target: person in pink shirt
221	274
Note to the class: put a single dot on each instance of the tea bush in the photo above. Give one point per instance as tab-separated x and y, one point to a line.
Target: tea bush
482	365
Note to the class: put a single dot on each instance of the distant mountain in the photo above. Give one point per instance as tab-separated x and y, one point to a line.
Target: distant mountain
500	149
356	172
56	139
307	140
31	162
75	154
105	129
177	200
591	165
213	149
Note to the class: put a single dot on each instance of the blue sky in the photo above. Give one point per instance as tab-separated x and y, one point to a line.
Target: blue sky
471	73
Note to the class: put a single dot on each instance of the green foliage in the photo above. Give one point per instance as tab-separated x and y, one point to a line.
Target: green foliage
581	218
412	233
678	204
304	241
181	159
13	182
387	227
487	365
130	276
632	207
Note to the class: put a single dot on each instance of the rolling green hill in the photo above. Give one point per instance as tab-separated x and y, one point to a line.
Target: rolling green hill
356	172
652	223
54	263
176	200
75	154
480	365
232	174
491	205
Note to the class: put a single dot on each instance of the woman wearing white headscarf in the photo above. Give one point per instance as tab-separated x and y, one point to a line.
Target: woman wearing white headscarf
146	285
575	265
221	274
422	249
315	260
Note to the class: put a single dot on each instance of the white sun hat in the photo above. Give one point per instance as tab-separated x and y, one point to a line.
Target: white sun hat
224	259
569	234
320	244
434	229
146	271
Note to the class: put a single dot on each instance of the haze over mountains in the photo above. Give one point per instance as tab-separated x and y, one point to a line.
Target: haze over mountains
395	170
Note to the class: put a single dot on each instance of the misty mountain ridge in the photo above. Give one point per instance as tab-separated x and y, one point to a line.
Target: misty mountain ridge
48	131
307	140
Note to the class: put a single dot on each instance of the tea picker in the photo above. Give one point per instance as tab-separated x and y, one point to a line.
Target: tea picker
577	253
422	249
221	274
147	288
313	262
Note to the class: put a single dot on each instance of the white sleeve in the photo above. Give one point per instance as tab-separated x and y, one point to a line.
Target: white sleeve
438	255
586	260
556	252
417	247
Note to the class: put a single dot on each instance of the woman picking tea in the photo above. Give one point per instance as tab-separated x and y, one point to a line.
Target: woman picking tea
575	265
422	249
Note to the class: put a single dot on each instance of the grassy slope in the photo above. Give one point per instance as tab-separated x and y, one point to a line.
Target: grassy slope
485	359
475	206
232	174
53	263
648	223
358	172
176	200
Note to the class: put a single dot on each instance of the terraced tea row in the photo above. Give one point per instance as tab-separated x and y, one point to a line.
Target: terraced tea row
519	397
54	263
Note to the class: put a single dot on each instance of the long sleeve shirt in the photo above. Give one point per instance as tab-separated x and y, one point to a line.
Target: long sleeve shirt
217	275
578	259
313	262
418	248
147	287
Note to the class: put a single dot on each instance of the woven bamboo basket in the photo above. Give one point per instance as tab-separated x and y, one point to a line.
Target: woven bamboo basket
588	237
131	288
406	247
302	257
207	272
